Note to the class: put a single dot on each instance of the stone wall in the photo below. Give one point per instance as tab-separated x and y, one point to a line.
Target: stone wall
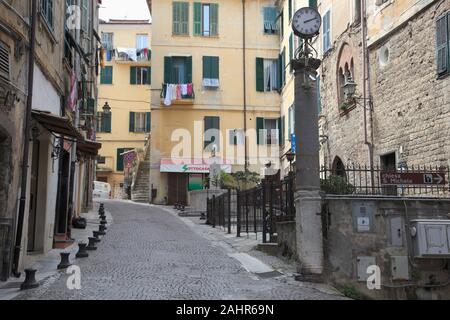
349	242
411	105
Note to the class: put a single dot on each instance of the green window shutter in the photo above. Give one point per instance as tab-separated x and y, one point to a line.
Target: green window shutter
210	67
189	70
259	127
260	74
211	123
148	121
107	123
283	64
167	69
133	73
442	45
184	26
280	71
106	75
215	67
313	4
289	122
206	67
119	165
149	80
176	19
291	51
197	18
214	19
270	16
132	121
290	9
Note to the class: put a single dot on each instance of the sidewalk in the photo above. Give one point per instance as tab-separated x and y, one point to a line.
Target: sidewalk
46	264
245	250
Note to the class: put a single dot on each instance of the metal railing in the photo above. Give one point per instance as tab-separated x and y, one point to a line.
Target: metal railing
420	181
255	210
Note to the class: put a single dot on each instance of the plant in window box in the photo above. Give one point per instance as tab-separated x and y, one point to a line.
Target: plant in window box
344	106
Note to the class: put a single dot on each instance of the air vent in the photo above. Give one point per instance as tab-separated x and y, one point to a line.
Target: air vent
4	61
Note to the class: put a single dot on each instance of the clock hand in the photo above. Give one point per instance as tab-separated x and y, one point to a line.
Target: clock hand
310	20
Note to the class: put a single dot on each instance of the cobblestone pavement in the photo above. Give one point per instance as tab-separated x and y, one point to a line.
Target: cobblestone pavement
149	253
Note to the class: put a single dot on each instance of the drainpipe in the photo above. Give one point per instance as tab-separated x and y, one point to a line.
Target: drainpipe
26	144
244	85
366	85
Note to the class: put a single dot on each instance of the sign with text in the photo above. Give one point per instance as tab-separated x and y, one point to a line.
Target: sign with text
412	178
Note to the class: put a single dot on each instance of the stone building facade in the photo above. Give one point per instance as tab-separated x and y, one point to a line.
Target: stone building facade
407	113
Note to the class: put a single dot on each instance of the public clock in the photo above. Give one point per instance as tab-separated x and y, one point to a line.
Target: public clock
306	22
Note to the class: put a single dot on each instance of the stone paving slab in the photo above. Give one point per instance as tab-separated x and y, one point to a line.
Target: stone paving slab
149	253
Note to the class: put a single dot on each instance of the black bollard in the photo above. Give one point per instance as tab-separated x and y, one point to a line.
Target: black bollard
91	245
100	230
65	263
82	253
103	221
30	280
96	236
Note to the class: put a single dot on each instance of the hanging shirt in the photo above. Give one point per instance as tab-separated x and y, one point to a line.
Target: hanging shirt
168	96
184	89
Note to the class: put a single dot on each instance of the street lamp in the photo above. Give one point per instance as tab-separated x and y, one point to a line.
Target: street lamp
106	108
290	156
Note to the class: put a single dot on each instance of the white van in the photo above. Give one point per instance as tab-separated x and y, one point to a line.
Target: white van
102	190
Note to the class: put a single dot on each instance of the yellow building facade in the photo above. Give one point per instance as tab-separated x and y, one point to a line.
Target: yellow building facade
233	66
123	121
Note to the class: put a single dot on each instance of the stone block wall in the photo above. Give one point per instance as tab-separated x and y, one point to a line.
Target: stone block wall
348	242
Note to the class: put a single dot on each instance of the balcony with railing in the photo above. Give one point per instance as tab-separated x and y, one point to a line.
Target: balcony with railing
132	55
173	94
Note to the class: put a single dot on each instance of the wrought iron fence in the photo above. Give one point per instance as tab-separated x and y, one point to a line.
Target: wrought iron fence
420	181
255	210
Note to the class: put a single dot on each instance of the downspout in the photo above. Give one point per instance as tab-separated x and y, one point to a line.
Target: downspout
244	85
26	144
367	96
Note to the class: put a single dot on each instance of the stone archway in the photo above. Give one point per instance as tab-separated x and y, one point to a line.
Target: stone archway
338	168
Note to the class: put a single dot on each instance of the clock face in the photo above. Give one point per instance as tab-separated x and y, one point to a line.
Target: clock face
306	22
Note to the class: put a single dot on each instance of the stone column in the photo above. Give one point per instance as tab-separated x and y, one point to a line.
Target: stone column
307	197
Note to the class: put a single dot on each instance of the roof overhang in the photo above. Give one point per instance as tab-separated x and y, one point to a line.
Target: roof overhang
88	147
57	124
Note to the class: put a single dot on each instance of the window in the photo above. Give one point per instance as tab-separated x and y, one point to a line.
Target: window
267	75
4	61
140	75
101	160
313	3
270	20
206	19
180	18
47	11
291	122
282	61
141	41
210	71
108	40
120	164
290	8
212	133
178	70
443	44
140	121
269	131
326	34
357	12
291	51
106	75
236	136
104	122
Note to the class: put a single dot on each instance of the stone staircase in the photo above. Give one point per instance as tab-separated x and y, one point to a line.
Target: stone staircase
140	191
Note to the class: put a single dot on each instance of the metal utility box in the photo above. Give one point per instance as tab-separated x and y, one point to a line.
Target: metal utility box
363	216
362	263
399	268
431	238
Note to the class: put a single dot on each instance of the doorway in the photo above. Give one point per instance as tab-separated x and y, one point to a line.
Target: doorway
63	192
178	185
34	177
389	163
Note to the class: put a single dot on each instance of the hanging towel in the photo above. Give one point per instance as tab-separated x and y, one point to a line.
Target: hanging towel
168	96
178	91
184	89
190	89
173	90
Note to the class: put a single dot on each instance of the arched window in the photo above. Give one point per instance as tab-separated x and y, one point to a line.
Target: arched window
345	69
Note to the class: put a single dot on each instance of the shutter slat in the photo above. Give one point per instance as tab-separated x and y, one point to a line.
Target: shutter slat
214	19
260	74
197	18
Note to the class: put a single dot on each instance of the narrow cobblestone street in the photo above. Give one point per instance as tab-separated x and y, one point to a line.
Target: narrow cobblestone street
149	253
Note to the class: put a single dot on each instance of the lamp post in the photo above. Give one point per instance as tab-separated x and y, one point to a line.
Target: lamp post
306	24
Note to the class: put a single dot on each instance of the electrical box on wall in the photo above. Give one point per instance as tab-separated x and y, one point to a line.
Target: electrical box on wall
363	216
431	238
362	264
